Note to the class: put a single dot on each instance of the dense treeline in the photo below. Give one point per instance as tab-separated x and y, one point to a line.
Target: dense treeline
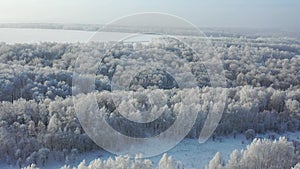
37	116
32	71
27	126
38	71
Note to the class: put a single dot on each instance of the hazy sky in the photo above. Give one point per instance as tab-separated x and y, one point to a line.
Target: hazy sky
284	14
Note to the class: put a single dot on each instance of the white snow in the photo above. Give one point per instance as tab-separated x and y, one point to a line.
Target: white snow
22	35
28	35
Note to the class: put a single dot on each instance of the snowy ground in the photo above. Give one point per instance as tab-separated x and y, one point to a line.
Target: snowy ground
192	154
22	35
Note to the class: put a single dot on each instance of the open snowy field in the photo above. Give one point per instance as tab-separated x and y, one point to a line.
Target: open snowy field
22	35
36	35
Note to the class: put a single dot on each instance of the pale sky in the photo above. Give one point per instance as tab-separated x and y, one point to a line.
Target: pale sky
283	14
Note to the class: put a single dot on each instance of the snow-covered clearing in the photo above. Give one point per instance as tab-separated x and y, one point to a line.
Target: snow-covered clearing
192	154
22	35
27	35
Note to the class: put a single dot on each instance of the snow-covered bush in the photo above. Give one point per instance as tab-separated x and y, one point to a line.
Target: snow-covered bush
120	162
216	162
32	166
263	153
297	166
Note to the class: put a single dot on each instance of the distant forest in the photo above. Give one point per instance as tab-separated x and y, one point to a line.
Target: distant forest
37	116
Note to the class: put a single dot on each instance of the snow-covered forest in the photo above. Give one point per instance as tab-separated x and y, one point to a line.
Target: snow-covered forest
38	121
